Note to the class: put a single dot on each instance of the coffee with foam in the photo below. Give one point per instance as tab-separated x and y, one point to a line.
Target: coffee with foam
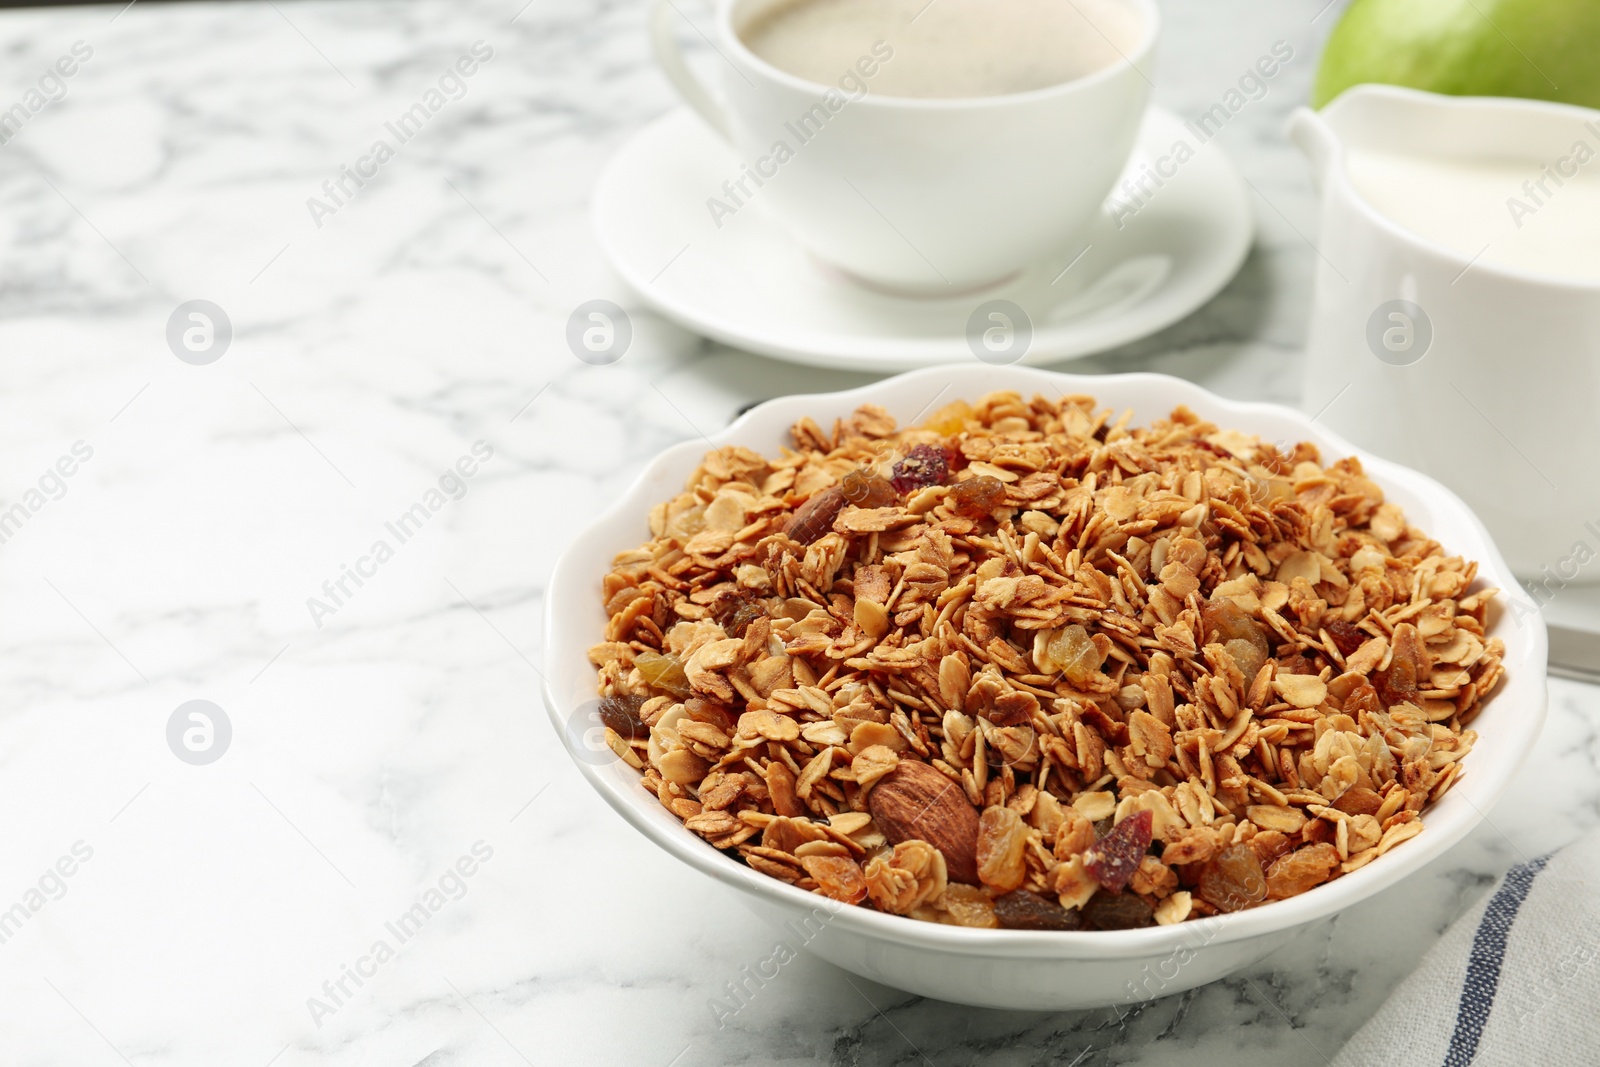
947	49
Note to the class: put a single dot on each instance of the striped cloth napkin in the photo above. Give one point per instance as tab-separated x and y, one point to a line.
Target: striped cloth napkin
1515	981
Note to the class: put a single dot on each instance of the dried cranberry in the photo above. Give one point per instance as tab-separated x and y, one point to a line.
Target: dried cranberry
923	466
1113	859
1022	910
866	490
1116	911
976	497
621	713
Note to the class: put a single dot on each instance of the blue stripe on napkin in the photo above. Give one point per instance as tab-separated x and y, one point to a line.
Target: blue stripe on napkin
1483	966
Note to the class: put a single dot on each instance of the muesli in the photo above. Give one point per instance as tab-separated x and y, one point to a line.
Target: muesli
1029	666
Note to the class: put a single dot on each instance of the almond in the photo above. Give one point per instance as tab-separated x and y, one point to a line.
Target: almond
916	802
816	515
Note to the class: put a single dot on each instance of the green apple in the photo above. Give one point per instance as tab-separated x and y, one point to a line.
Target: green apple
1546	49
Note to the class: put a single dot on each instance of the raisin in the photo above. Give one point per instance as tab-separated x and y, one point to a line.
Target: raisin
1023	910
976	497
816	515
1294	873
965	905
1232	880
837	877
923	466
1396	686
1002	849
1296	664
664	671
866	490
1247	657
950	419
1073	652
1346	637
1358	800
1363	698
1226	621
735	612
621	713
1116	911
1113	859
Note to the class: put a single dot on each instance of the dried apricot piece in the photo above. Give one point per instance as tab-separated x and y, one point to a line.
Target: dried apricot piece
1113	859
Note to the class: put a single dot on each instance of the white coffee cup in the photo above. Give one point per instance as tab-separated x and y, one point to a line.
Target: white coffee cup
1485	376
919	195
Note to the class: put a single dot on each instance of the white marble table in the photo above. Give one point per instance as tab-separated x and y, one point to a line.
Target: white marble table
373	753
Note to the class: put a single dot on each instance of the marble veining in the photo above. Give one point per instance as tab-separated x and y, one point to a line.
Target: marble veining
223	909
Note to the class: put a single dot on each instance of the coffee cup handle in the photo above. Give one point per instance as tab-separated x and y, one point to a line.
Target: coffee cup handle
670	56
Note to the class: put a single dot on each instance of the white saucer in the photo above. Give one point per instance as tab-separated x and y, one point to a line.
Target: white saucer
750	285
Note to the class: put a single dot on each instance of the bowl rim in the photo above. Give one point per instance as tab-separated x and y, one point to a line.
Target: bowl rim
1453	523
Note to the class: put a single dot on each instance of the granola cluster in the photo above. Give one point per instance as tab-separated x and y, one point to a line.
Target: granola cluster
1028	666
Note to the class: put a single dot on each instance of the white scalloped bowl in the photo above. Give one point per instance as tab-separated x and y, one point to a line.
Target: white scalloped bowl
1012	968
